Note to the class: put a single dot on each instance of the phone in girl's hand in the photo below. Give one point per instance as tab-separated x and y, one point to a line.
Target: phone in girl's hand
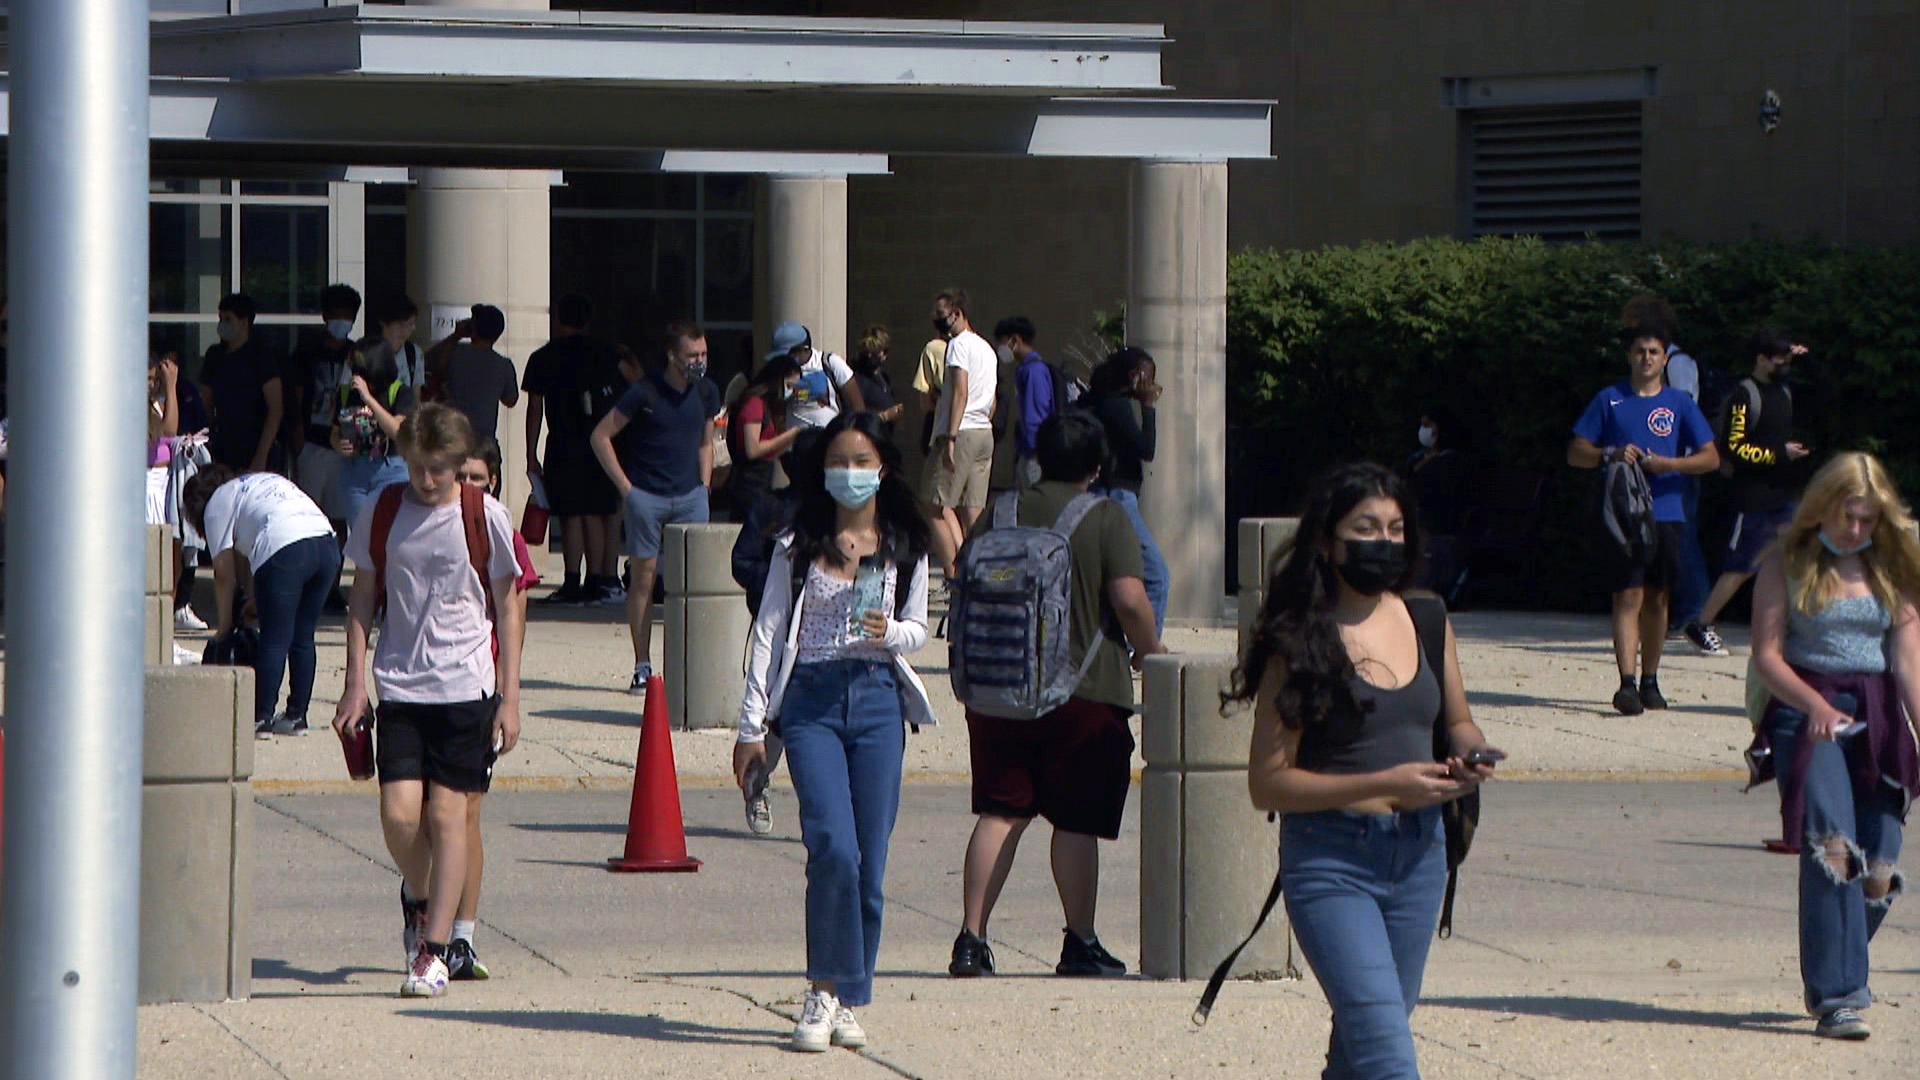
869	592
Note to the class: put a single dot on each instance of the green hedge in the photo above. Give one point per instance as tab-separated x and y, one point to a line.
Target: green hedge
1334	354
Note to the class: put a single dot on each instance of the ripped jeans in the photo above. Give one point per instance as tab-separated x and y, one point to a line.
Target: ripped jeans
1837	918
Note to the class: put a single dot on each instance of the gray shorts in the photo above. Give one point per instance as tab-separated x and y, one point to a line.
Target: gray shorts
647	515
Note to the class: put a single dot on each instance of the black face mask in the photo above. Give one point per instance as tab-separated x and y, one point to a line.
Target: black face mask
1373	566
942	326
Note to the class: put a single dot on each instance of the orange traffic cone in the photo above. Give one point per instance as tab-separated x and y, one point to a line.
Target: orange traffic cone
656	834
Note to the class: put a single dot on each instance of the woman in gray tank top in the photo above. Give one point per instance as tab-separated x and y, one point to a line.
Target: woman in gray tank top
1837	642
1345	707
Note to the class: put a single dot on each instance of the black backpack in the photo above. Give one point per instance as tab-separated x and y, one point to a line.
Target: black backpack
1461	816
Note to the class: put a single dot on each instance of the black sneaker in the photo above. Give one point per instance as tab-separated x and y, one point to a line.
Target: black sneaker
972	957
463	965
1705	638
1087	958
289	725
1627	700
1650	696
263	728
569	594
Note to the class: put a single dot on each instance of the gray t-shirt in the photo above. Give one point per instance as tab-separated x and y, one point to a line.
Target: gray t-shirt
479	381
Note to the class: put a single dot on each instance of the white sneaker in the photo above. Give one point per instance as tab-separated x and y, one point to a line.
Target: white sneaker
427	977
847	1031
642	671
185	619
759	815
814	1033
184	655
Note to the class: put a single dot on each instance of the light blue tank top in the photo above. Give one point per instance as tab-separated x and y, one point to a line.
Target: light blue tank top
1846	637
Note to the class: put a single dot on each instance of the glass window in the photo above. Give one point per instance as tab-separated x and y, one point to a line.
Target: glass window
283	257
386	250
638	272
188	341
729	270
316	188
729	192
188	259
729	353
187	187
627	191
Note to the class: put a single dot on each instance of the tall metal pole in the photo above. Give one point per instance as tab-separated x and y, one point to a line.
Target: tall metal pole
77	292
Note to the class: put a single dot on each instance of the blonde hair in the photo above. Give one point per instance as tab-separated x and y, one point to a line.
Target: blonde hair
1892	563
876	341
436	433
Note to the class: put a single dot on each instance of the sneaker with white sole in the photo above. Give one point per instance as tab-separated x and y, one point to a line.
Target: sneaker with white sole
1706	639
642	671
814	1033
413	924
263	728
463	964
759	814
184	618
427	977
1842	1024
289	725
847	1031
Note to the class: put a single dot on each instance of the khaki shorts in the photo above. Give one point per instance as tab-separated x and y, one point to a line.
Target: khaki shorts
966	485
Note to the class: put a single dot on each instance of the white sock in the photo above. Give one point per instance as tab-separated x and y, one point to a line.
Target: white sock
463	931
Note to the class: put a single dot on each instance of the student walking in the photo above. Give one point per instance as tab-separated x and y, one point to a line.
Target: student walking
442	566
1837	642
1647	425
290	551
844	605
1762	457
1123	394
1345	707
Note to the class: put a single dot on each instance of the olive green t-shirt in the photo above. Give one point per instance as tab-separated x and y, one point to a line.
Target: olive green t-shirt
1104	549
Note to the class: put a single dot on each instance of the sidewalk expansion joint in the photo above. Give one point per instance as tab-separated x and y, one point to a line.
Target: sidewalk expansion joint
237	1037
864	1054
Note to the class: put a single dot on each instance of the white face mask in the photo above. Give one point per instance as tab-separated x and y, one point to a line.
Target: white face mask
1429	435
1005	353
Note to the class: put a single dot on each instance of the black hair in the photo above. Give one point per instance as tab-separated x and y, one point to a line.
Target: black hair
1115	373
1453	433
392	309
240	305
1016	326
1768	341
573	310
1656	331
199	492
769	381
1295	626
338	297
903	531
1071	445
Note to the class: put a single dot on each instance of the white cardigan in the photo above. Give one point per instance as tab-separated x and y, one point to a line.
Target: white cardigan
772	654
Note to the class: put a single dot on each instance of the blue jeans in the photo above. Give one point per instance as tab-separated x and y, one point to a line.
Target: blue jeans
1690	589
1155	577
290	591
1836	918
845	736
1363	895
361	478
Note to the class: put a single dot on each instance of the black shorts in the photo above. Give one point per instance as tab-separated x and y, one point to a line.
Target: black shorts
578	487
450	745
1071	766
1661	568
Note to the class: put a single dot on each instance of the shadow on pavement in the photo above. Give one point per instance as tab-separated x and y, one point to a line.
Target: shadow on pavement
1496	699
267	968
1628	1012
650	1026
617	828
615	717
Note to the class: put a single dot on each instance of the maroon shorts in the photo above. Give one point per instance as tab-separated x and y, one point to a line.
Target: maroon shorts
1071	766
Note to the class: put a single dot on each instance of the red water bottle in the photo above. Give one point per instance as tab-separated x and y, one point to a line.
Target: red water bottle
356	745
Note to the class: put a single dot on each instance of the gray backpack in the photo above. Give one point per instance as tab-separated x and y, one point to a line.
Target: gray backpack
1626	509
1008	624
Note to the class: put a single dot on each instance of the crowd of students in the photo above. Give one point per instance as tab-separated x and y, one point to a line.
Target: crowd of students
1362	730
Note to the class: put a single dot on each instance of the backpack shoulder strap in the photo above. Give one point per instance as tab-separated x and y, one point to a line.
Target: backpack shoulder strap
386	507
1219	976
1752	390
473	521
1075	512
1006	510
1430	626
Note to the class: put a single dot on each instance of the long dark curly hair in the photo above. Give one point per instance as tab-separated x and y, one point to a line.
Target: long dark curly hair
903	532
1295	627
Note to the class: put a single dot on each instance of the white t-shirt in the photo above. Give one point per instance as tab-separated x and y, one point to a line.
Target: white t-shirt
816	397
436	645
259	514
970	352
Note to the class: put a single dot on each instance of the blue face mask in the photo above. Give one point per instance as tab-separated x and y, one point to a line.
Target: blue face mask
853	488
340	329
1837	550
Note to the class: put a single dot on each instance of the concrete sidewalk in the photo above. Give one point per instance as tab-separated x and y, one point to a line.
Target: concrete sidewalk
1540	686
1626	929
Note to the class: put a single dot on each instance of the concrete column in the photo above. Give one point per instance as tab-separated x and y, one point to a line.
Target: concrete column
1261	542
196	835
485	236
707	626
806	258
1177	310
348	203
158	614
1207	857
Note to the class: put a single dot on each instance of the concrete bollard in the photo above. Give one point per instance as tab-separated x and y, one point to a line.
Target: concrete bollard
196	835
1207	857
1261	542
707	626
158	613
